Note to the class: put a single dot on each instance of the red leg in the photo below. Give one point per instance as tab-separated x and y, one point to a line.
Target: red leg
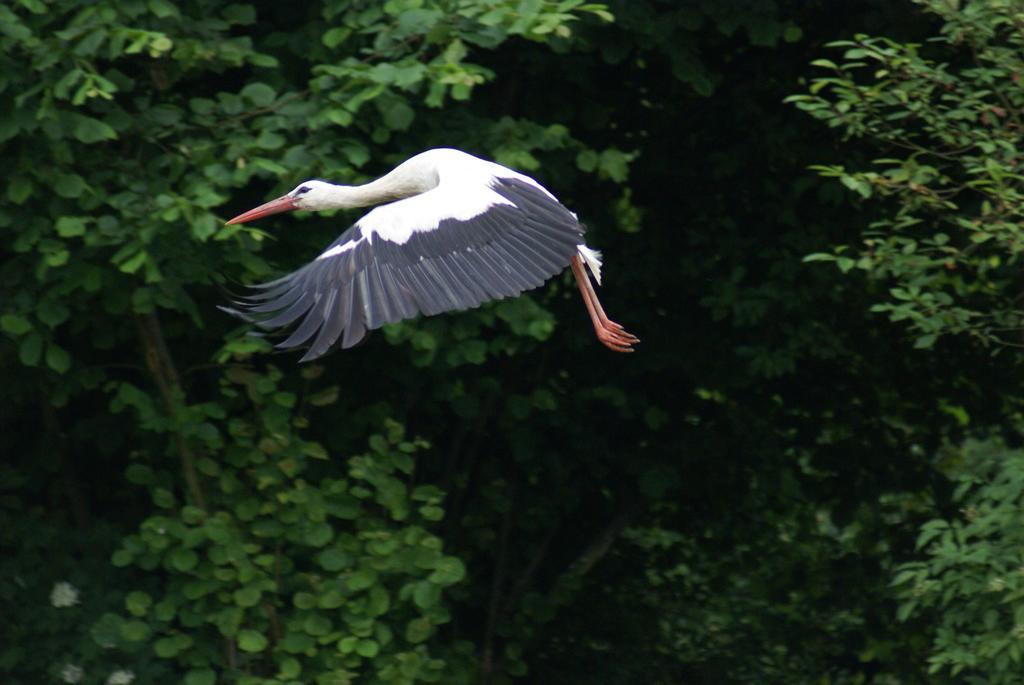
609	333
605	321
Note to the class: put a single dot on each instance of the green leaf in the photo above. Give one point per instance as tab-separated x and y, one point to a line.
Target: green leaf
315	450
165	610
251	641
139	474
159	45
819	257
334	559
15	324
336	36
295	642
304	600
399	116
316	625
121	558
378	602
58	258
16	31
164	499
925	342
192	515
167	647
332	598
367	648
319	535
361	579
137	603
586	161
269	140
229	620
34	6
19	189
89	130
259	94
614	164
70	226
448	571
265	61
426	595
378	444
134	631
418	630
31	349
132	264
68	185
106	631
163	9
248	596
432	512
165	115
200	676
57	358
184	559
339	116
53	313
290	669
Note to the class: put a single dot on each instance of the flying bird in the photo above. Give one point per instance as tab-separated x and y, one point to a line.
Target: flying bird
456	231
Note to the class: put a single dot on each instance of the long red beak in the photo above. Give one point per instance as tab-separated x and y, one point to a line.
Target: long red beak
281	204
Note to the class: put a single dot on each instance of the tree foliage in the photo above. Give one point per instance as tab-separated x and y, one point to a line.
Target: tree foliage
945	117
946	246
489	496
970	579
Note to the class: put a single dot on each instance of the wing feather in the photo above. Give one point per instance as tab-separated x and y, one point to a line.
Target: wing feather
494	278
355	330
421	289
334	322
313	320
531	275
458	264
296	309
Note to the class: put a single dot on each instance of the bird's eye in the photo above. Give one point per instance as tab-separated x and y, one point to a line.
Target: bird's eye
303	189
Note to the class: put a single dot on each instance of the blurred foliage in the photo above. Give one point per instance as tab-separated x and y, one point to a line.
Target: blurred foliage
971	584
490	496
945	116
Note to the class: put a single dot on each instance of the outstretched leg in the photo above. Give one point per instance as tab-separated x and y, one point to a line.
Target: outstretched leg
612	335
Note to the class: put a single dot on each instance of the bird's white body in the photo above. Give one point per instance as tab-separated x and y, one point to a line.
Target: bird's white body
432	186
456	230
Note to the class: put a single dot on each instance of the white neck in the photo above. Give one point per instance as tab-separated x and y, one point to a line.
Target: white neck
347	197
403	181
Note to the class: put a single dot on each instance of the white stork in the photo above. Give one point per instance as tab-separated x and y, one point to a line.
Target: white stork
457	231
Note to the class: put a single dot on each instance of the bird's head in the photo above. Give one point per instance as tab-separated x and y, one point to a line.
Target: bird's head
309	195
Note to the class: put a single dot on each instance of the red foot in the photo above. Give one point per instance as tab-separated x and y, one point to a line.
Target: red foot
615	337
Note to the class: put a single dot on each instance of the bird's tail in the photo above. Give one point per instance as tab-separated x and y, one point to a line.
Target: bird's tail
592	258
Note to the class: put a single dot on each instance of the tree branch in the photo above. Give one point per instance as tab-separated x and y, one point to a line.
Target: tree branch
597	549
494	606
68	475
470	462
526	579
165	373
